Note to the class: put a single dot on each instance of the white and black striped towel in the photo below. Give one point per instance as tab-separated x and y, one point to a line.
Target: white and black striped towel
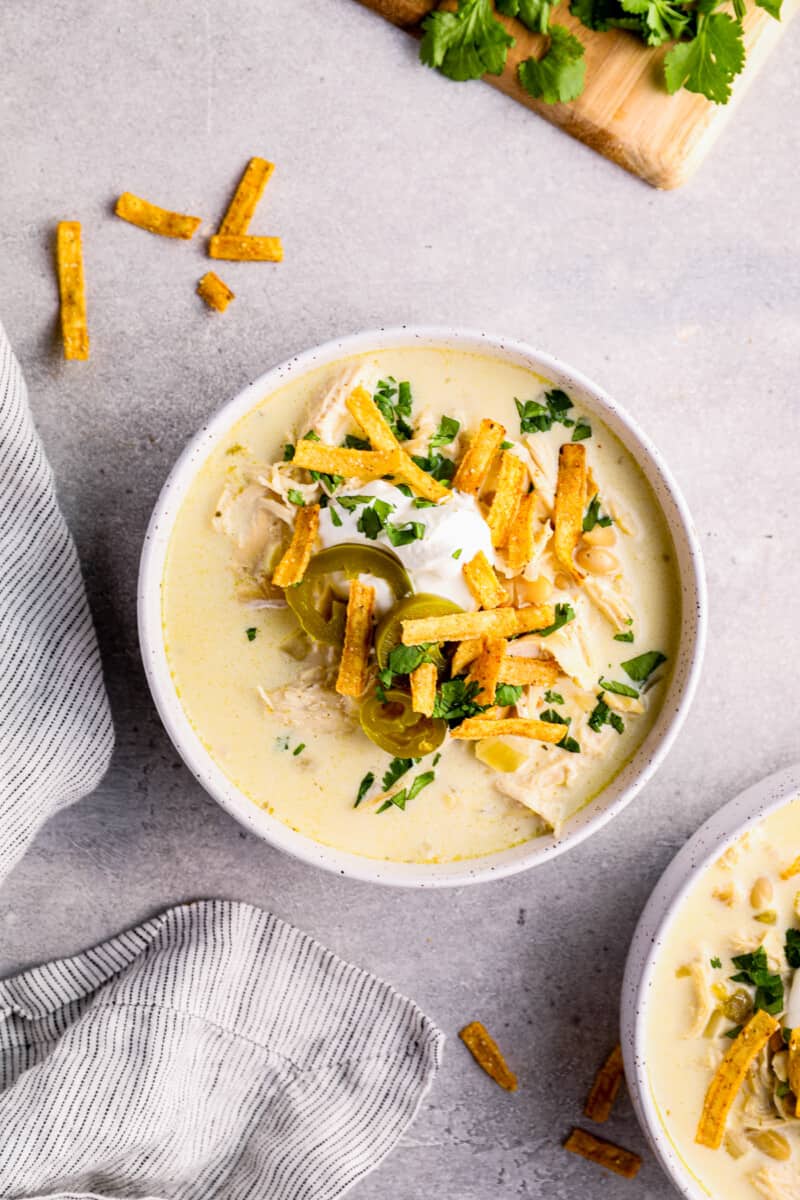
56	735
214	1051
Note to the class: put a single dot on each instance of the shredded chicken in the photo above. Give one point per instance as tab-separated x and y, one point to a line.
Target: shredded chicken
330	419
610	597
703	998
310	701
243	515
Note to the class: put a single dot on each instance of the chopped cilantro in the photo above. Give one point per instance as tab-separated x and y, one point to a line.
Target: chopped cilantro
627	636
619	689
553	697
733	1032
441	468
455	700
602	715
397	768
403	797
296	497
405	659
506	445
364	786
792	947
298	749
356	443
406	490
288	452
251	634
582	430
569	743
352	502
394	401
507	694
372	520
641	668
754	969
563	615
421	502
539	418
559	75
335	518
553	718
437	759
445	434
716	963
457	553
594	516
467	43
403	535
311	436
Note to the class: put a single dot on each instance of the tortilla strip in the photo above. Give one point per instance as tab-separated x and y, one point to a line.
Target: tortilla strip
423	689
521	541
480	454
292	566
487	1054
485	670
353	464
605	1154
352	677
791	870
729	1077
794	1067
493	622
529	672
249	191
215	293
483	726
482	581
373	423
72	290
239	247
512	480
149	216
465	653
605	1088
569	504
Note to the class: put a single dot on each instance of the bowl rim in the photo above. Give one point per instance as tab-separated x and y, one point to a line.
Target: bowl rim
634	774
722	829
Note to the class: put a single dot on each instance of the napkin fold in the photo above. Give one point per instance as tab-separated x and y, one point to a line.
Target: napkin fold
213	1051
56	735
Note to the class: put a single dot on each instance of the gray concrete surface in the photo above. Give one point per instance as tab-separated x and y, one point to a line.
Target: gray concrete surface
400	197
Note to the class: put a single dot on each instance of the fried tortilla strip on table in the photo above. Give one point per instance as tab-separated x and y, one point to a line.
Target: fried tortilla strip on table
794	1067
485	670
529	672
292	566
493	622
605	1088
465	653
242	247
423	689
482	581
486	1052
485	726
353	464
373	423
521	541
605	1154
249	191
352	677
729	1077
480	454
216	294
149	216
512	481
72	290
569	504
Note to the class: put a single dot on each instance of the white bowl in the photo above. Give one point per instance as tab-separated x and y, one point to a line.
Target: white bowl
704	848
616	795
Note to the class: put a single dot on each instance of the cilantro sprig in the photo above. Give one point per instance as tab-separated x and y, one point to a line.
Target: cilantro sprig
535	417
754	970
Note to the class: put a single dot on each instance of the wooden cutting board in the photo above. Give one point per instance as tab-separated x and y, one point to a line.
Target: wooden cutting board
625	112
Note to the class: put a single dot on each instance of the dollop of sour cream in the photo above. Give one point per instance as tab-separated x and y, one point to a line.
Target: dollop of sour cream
454	527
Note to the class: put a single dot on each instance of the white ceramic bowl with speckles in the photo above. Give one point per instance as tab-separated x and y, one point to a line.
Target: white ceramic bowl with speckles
627	784
703	848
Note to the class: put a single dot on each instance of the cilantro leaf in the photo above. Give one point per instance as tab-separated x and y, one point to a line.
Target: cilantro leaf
627	636
335	518
296	497
754	969
403	535
446	433
582	430
467	43
364	786
559	75
357	443
455	700
394	401
535	14
396	770
641	668
569	743
437	465
251	634
602	715
594	517
373	518
553	697
563	615
288	452
535	417
401	798
662	20
792	947
716	963
405	659
773	7
553	718
352	502
710	62
507	693
619	689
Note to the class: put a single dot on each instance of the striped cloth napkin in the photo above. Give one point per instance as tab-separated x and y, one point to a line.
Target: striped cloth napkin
56	735
214	1051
